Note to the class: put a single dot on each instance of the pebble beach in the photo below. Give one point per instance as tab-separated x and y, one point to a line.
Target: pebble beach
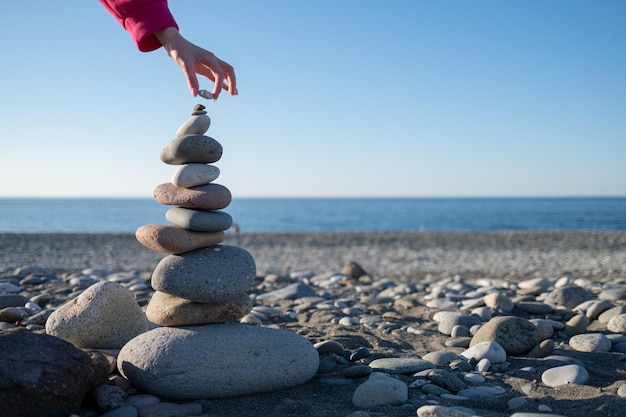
396	318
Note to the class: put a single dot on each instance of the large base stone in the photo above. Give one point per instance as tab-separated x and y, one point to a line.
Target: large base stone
217	360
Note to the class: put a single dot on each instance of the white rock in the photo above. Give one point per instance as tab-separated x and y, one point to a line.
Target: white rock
617	324
104	316
192	175
441	411
590	342
380	389
485	350
217	360
196	125
567	374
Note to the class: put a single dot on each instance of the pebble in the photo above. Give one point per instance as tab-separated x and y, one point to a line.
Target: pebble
533	307
197	124
192	149
205	94
289	292
104	316
203	197
490	350
217	360
168	239
186	275
590	342
516	402
500	301
400	365
568	296
193	175
447	380
610	313
617	324
576	325
441	357
199	220
380	389
621	391
567	374
516	335
441	411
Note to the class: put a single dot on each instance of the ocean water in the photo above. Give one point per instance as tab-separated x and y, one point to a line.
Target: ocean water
125	215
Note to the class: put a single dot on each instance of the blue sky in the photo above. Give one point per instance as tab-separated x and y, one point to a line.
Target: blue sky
337	98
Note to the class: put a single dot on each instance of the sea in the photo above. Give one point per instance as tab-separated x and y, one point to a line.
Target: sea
273	215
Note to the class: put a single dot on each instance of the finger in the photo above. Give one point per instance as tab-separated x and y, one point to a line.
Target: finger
192	80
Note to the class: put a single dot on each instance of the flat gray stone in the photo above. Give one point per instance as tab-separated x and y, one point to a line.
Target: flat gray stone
192	175
610	313
590	342
400	365
290	292
380	389
217	360
206	275
199	220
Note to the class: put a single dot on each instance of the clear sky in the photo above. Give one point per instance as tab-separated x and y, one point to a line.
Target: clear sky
337	98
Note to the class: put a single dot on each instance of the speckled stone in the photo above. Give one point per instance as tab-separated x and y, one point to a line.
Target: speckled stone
617	324
610	313
193	175
104	316
169	310
569	296
199	220
217	360
516	335
590	342
189	149
169	239
203	197
206	275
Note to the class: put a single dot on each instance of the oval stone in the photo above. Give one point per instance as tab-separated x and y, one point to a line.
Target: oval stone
192	175
197	124
192	149
203	197
169	310
206	275
217	360
515	334
567	374
169	239
198	220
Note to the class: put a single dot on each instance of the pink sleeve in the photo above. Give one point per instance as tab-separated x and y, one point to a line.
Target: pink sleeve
141	18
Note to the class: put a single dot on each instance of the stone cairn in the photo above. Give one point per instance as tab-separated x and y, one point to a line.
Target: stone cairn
201	350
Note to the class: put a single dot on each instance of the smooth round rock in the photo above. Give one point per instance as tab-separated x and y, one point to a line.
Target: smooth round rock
199	221
217	360
515	334
568	297
485	350
203	197
192	175
104	316
590	342
380	389
400	365
441	411
188	149
567	374
448	319
543	349
169	239
606	316
447	379
169	310
206	275
617	324
576	325
499	300
196	125
440	357
330	346
533	307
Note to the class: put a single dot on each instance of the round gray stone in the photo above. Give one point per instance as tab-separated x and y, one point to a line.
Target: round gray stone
610	313
192	149
590	342
380	389
515	334
217	360
569	297
206	275
440	357
196	125
199	220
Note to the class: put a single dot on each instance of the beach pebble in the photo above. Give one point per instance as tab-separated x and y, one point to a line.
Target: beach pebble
567	374
400	365
483	365
440	357
206	275
8	288
108	397
380	389
543	349
612	294
576	325
621	391
533	286
568	296
203	197
441	411
610	313
446	379
167	409
617	324
104	316
448	319
597	307
533	307
192	149
193	175
217	360
516	402
12	300
169	239
485	350
499	300
330	346
515	334
196	125
13	314
199	220
590	342
544	327
169	310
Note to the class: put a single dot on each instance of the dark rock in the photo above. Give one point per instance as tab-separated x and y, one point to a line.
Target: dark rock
43	376
568	297
353	270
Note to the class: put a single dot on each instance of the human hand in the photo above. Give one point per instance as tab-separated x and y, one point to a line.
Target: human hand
192	59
